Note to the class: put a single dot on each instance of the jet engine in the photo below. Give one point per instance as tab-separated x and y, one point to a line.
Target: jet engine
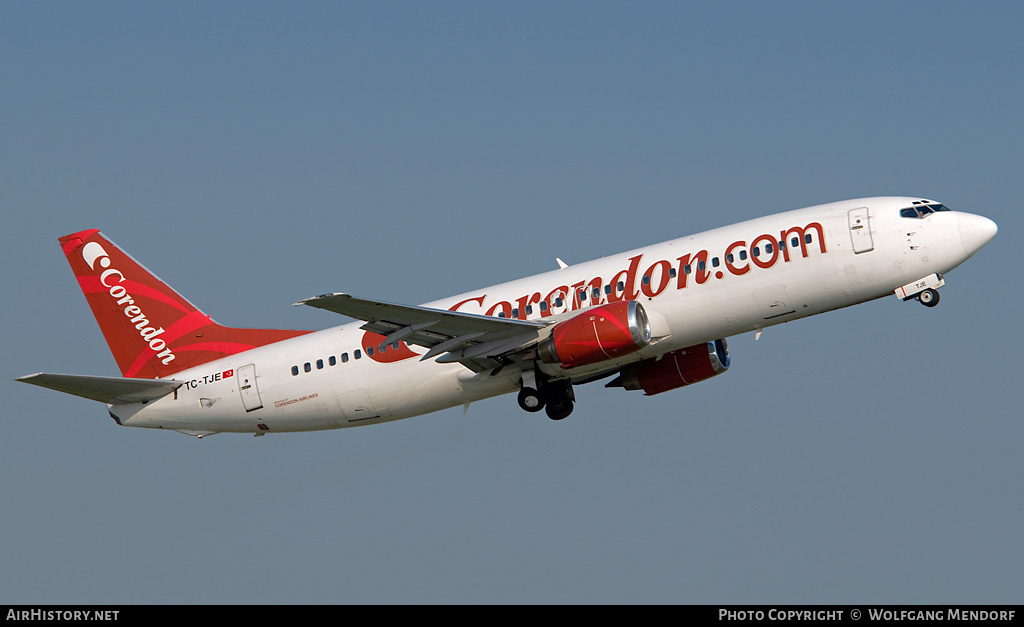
598	334
675	369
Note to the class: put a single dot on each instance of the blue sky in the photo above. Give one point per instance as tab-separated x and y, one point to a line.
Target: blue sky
253	154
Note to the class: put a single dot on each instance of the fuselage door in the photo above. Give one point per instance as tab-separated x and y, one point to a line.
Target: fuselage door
247	387
860	231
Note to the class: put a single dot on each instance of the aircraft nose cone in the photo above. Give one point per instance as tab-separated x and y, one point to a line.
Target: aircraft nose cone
975	231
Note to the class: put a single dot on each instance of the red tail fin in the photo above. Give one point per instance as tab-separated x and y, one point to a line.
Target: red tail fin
152	331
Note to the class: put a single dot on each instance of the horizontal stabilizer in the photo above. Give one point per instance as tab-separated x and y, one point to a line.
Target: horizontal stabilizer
112	390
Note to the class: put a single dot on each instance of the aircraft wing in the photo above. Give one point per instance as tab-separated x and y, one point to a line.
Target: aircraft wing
112	390
478	342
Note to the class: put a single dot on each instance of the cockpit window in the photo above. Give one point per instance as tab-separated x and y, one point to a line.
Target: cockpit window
922	209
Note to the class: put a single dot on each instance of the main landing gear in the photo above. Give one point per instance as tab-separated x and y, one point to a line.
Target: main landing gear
556	398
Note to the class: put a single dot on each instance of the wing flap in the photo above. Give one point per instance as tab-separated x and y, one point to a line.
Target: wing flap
112	390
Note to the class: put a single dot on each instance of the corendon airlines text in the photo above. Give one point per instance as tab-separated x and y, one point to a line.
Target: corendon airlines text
739	258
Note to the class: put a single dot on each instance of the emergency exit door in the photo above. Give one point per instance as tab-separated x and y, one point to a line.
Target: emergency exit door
247	387
860	231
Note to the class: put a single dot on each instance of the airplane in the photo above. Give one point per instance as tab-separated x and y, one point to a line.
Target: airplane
652	319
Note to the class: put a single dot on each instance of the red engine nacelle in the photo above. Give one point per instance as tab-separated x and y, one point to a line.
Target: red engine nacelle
676	369
597	334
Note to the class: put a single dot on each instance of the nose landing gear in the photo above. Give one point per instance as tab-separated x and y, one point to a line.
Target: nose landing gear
923	290
928	298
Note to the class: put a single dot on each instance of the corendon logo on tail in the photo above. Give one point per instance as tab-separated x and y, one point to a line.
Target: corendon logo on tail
111	278
152	330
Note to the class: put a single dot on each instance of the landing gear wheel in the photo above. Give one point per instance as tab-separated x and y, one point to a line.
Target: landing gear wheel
559	409
928	298
531	400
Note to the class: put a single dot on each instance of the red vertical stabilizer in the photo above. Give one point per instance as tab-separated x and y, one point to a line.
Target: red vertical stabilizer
152	330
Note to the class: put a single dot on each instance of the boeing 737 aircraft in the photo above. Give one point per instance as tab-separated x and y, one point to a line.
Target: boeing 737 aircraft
651	319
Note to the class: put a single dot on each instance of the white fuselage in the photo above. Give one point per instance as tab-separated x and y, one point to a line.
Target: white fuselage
695	289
